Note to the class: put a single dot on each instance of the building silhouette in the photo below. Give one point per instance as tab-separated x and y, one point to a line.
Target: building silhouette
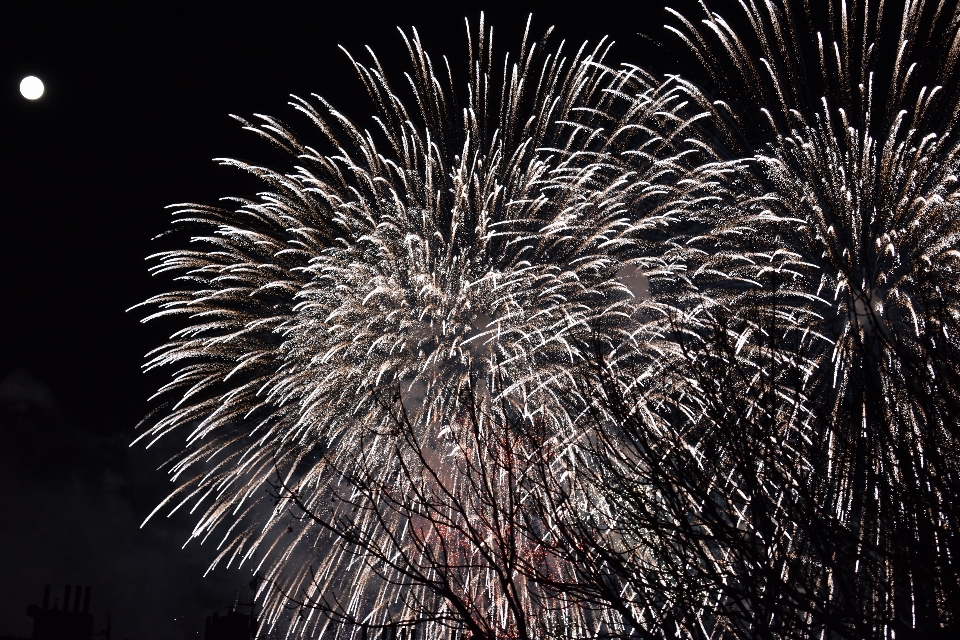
233	626
60	623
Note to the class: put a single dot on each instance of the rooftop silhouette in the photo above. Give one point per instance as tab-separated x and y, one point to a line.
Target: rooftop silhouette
60	623
233	626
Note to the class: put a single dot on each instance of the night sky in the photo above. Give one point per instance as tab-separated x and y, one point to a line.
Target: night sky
136	106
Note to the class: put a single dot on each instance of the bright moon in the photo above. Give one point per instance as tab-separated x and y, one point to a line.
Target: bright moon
31	87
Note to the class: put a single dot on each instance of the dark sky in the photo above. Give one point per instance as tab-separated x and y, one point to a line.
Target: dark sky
136	103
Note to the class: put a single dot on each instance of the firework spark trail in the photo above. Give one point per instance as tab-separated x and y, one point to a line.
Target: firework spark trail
446	248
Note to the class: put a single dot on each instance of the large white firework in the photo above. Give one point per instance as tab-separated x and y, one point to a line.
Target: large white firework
454	246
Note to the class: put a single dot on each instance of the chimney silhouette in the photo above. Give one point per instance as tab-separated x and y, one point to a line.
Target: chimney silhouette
63	624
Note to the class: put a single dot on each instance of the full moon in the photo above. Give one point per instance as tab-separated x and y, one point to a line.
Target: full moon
31	87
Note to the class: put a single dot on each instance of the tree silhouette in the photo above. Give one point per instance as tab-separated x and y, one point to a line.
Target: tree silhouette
714	498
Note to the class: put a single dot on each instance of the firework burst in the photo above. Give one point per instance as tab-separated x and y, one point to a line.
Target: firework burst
452	247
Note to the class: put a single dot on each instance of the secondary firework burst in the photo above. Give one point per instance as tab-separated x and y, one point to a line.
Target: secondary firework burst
458	245
853	137
849	231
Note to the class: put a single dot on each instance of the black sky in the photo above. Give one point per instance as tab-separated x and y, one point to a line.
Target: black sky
136	106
